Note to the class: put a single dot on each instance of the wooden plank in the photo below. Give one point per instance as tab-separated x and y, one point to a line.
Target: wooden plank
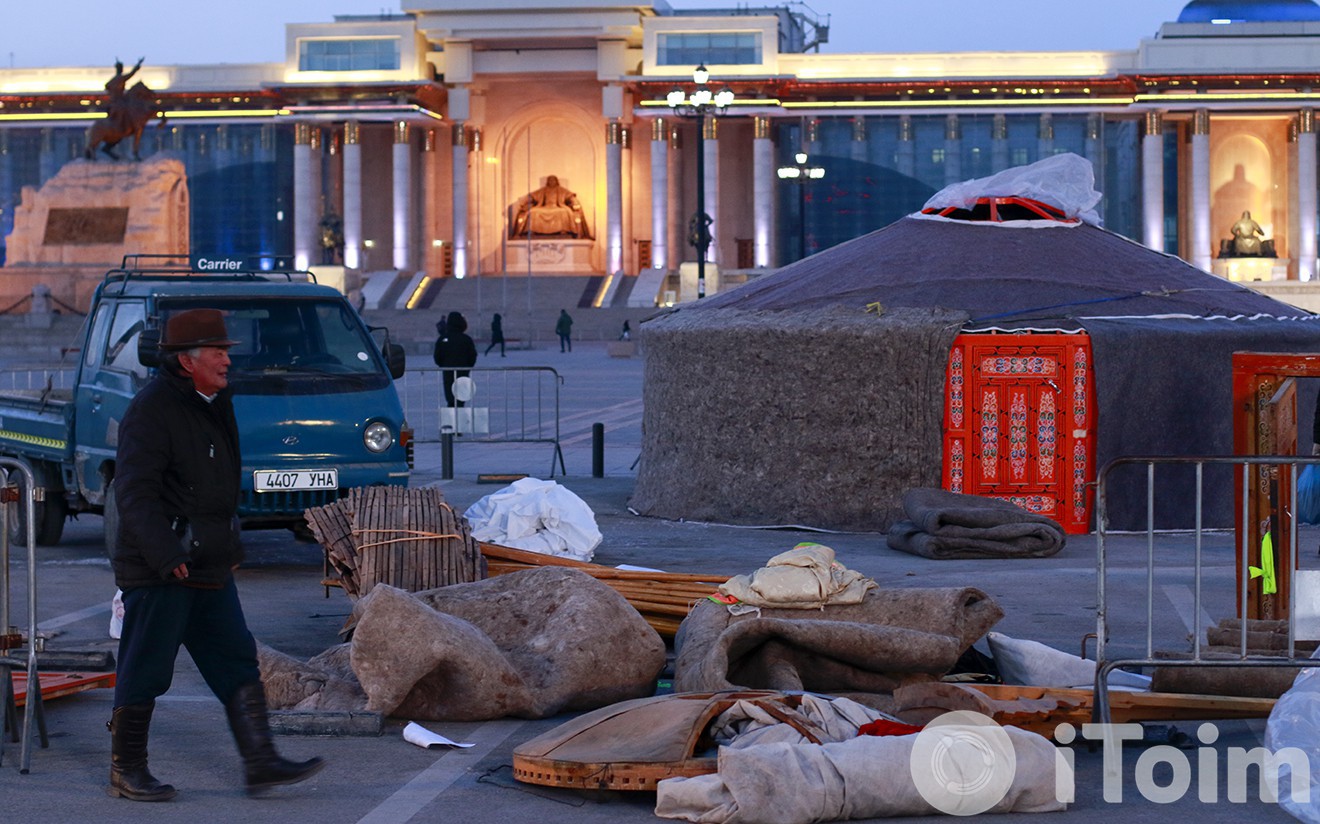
1041	709
60	684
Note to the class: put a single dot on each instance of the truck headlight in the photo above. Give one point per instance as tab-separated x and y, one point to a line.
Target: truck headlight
378	437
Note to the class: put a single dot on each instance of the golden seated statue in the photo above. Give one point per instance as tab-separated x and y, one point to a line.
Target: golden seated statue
551	211
1248	240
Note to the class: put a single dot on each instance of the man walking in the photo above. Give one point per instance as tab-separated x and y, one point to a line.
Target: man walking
176	487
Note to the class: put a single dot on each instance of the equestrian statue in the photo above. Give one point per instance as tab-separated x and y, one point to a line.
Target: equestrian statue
128	110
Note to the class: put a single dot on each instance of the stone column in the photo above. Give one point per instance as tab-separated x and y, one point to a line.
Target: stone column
905	157
952	150
711	148
1152	182
659	194
402	191
1095	146
674	219
763	193
1306	195
859	151
1045	136
1201	251
1293	230
352	195
427	257
998	143
460	200
306	193
629	232
613	197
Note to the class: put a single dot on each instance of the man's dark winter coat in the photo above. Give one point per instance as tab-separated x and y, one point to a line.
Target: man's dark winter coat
177	486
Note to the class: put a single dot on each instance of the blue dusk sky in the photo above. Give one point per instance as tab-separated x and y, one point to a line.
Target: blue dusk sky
95	32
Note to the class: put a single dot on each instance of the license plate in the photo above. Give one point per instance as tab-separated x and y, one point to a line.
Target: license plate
281	480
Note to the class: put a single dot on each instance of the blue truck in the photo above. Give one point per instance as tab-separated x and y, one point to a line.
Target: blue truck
313	386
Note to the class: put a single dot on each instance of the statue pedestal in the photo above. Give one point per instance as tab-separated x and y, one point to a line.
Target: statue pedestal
80	223
566	256
1244	269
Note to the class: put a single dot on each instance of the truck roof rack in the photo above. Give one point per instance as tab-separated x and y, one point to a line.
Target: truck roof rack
255	267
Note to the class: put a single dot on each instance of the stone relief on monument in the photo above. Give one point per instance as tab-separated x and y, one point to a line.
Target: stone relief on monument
94	214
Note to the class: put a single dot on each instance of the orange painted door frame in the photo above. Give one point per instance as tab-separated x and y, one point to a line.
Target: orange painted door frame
1019	422
1265	423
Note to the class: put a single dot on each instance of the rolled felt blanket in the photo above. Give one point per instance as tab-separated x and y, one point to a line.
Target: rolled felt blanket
944	525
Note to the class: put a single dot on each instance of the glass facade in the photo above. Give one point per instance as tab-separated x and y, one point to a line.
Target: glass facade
886	167
349	55
713	48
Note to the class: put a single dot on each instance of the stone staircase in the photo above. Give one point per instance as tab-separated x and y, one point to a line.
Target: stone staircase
529	309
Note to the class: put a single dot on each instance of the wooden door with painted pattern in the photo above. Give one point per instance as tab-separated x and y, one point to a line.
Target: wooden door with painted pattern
1019	422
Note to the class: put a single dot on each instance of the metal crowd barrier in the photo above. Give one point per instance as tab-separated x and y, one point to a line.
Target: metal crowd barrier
55	378
33	708
1107	662
510	404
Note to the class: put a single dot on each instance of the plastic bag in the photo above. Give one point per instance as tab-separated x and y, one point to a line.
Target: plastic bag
538	516
1308	495
1295	723
117	614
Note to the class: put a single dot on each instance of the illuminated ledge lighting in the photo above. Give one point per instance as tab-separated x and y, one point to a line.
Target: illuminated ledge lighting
417	293
170	115
990	103
226	113
983	103
604	290
1225	97
412	108
753	102
12	118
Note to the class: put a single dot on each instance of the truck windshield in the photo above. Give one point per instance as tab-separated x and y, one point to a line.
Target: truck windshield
296	346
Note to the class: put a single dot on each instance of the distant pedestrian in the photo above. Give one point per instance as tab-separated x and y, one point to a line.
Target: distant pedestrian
496	334
626	334
454	348
564	329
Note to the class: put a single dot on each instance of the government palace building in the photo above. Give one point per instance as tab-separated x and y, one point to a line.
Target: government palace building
477	138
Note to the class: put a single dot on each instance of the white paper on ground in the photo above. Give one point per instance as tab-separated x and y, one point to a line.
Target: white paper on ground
415	733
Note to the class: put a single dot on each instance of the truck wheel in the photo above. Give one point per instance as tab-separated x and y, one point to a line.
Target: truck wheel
110	521
49	515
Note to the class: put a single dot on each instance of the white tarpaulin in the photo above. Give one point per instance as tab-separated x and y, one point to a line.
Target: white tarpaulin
1064	181
538	516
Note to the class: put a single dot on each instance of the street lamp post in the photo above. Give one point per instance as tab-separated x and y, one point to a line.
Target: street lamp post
697	105
801	173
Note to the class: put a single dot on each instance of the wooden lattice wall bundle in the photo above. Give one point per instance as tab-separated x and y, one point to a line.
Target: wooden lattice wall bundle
405	537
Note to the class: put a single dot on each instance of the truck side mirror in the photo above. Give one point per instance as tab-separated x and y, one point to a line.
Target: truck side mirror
148	348
395	359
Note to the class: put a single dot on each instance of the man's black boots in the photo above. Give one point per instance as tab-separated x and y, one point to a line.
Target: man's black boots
263	766
129	777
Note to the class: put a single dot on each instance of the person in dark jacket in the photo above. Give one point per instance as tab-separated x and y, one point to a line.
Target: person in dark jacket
176	489
454	348
496	334
564	329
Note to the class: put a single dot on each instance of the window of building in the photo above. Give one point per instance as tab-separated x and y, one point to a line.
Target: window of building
709	48
1019	157
937	157
343	55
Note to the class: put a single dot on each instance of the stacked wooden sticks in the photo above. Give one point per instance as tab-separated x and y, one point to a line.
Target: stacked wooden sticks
663	598
405	537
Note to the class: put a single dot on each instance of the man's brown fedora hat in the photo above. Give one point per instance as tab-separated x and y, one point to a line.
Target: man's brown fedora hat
195	327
